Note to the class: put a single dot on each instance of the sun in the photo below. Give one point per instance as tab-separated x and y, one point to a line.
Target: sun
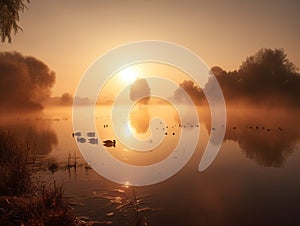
128	75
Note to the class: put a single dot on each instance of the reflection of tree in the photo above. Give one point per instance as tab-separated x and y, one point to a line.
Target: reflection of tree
266	78
268	137
140	118
139	115
40	138
268	149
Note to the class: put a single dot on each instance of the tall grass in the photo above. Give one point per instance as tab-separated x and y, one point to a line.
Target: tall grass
23	202
46	206
15	174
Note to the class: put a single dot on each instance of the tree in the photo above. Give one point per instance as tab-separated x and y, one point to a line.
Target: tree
66	99
218	71
268	72
268	62
192	89
25	82
9	17
265	77
140	90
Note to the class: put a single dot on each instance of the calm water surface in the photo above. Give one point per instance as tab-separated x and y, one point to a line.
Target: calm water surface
253	181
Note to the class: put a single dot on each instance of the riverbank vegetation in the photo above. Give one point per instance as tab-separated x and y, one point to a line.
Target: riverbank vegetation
23	199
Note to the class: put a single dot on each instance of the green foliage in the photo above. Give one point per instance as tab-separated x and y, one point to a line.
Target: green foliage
9	17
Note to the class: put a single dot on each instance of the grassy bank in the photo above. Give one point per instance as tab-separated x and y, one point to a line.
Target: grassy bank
22	201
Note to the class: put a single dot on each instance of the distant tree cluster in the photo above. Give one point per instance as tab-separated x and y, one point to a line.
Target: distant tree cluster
9	17
66	99
194	91
266	77
25	82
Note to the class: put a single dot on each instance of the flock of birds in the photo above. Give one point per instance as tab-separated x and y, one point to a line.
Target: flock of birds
259	127
91	139
91	136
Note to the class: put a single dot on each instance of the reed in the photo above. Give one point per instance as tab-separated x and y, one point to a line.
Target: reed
15	173
47	206
22	201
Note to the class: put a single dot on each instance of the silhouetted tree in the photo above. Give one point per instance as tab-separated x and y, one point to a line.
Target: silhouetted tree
266	77
269	73
266	68
192	89
9	17
66	99
218	72
229	82
25	82
140	89
271	61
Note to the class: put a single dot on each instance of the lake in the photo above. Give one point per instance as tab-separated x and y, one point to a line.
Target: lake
254	179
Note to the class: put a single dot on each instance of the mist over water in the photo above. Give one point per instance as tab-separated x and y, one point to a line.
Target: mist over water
257	164
254	179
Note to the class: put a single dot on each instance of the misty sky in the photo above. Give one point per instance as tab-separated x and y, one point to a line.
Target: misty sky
69	35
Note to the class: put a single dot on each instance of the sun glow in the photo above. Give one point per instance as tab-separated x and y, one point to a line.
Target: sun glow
129	75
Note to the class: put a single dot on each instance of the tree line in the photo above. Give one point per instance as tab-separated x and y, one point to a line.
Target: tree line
267	77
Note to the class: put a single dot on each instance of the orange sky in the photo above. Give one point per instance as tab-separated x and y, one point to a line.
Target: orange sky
69	35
